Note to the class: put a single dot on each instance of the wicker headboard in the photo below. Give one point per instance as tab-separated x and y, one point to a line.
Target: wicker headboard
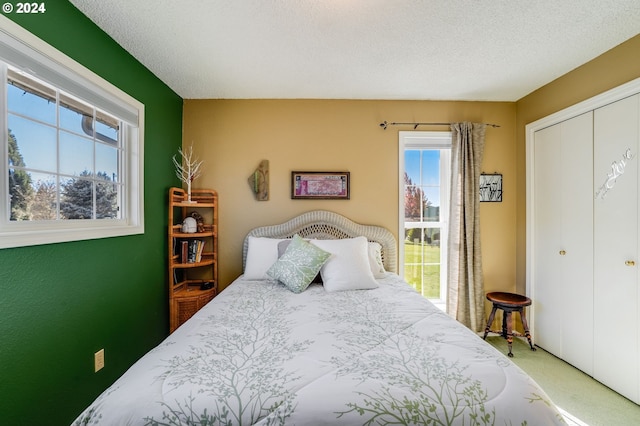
326	225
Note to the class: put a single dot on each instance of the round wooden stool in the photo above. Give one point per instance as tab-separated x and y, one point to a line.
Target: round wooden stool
508	302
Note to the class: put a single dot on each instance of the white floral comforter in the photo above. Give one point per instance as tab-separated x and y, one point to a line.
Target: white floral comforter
261	355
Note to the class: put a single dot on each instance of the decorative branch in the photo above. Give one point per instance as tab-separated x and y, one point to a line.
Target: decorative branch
188	168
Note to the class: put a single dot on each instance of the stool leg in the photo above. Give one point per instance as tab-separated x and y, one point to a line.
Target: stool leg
504	322
489	321
509	321
523	317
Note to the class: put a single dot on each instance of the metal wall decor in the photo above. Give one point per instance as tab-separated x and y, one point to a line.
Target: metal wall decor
617	170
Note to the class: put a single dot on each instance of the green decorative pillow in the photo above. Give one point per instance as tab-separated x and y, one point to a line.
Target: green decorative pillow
299	264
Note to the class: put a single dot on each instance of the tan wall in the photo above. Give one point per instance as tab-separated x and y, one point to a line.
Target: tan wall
613	68
233	136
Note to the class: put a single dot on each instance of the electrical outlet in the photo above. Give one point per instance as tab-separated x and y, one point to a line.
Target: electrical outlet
98	359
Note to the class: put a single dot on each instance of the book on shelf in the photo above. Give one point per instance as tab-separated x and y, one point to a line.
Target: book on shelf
184	251
191	251
199	250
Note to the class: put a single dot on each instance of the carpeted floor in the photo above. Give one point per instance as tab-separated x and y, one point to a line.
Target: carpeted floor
587	401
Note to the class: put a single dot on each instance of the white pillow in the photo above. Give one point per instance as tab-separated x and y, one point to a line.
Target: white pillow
375	260
348	268
261	254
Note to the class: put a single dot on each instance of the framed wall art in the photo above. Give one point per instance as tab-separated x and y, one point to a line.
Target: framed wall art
320	185
491	188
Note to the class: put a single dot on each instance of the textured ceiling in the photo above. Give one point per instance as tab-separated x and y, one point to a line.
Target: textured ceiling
495	50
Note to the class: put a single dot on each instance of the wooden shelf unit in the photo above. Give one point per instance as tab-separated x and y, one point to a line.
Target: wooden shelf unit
185	278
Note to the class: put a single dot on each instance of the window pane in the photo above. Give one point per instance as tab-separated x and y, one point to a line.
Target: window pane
413	275
70	151
413	257
77	199
35	144
107	200
412	167
431	210
107	161
71	115
45	201
33	195
432	238
20	194
422	185
413	236
413	200
431	167
76	155
39	105
109	131
431	281
422	262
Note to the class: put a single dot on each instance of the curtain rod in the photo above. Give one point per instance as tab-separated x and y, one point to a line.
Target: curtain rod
384	124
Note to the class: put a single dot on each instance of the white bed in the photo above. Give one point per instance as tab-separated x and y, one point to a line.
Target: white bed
262	354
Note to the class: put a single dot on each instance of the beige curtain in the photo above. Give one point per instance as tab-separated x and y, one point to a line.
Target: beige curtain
465	298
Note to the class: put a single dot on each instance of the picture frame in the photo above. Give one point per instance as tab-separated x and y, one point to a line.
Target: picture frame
491	188
320	185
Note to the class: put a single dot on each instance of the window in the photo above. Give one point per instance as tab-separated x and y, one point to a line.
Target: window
424	207
72	148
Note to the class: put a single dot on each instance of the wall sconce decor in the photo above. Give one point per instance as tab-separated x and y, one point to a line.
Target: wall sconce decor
259	181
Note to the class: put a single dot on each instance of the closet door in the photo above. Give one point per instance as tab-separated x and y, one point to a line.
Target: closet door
576	210
547	241
563	240
617	294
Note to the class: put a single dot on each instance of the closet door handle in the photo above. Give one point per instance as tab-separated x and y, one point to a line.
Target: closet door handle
562	252
630	263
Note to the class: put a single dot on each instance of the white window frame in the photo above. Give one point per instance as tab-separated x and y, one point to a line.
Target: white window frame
21	49
427	140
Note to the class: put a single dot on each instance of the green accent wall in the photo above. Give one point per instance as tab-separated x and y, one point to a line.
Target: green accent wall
60	303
